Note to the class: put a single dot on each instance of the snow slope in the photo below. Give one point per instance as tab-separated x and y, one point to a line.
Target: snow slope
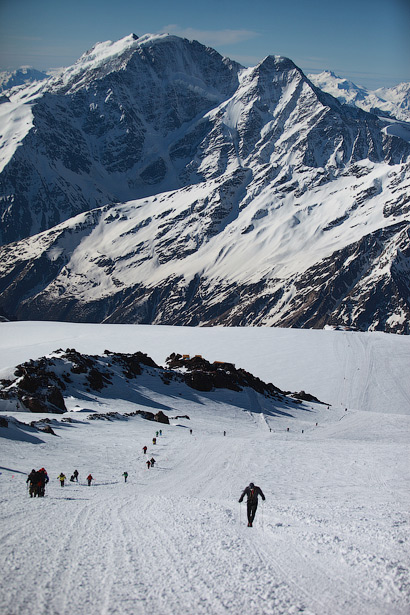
331	537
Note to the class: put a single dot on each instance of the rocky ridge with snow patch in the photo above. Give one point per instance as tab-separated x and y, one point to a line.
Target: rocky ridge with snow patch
42	385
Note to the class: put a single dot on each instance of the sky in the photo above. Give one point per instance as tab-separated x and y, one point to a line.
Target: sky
367	41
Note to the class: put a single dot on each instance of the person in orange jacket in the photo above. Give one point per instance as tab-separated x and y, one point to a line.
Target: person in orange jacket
89	479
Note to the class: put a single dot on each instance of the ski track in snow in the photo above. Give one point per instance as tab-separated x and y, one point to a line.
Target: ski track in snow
331	539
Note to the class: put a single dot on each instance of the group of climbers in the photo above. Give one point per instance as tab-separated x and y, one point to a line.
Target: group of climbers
74	477
151	462
36	481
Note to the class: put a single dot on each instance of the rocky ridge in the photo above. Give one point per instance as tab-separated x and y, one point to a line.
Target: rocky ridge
41	385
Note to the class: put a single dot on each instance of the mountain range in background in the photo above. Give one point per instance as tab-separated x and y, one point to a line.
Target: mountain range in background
155	181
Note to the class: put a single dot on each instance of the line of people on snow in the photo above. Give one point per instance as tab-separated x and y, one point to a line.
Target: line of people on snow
38	479
74	478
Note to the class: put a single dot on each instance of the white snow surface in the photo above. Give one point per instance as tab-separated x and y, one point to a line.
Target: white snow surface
331	538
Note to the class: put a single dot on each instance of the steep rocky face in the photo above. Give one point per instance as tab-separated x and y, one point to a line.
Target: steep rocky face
102	131
264	200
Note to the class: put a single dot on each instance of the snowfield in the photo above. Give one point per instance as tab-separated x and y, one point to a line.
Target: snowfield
331	539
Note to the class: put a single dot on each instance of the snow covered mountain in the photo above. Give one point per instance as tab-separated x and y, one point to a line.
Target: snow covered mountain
389	102
20	76
249	196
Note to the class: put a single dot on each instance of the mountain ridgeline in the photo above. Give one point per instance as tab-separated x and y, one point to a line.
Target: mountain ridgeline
155	181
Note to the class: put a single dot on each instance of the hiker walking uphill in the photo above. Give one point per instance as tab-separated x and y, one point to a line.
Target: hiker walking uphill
89	479
252	492
43	480
61	478
125	475
32	479
34	483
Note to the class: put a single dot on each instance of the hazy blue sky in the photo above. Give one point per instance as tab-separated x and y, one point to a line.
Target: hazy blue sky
367	41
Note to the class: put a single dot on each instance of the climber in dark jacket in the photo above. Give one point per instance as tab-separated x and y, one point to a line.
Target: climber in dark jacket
252	492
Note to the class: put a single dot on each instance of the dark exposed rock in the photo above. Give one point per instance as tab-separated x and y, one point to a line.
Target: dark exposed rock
302	395
205	376
48	429
160	417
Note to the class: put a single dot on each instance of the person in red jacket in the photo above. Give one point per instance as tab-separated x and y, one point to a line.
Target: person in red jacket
252	492
89	479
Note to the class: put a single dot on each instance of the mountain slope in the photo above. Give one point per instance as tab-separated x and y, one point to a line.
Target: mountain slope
164	260
331	537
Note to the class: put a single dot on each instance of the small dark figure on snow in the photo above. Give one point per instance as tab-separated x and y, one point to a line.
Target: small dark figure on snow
125	475
154	440
144	448
89	479
190	431
148	464
252	492
75	474
61	478
152	460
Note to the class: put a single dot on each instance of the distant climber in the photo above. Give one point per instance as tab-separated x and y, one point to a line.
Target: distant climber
89	479
75	474
61	478
152	460
154	440
252	492
125	475
144	448
148	464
